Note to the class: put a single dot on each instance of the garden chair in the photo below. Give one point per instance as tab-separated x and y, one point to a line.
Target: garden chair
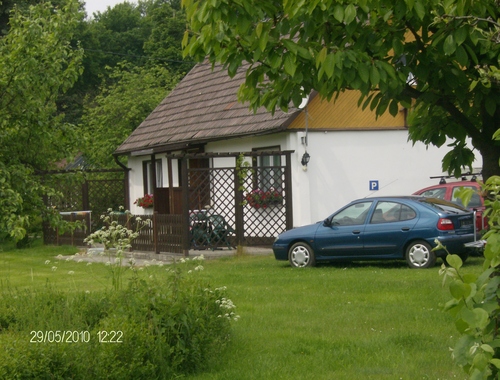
200	231
220	231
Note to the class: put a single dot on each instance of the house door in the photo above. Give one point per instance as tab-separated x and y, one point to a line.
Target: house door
199	183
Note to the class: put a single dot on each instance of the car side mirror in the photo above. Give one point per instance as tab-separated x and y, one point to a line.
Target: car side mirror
327	222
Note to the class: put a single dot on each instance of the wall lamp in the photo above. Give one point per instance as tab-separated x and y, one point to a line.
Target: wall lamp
442	181
305	159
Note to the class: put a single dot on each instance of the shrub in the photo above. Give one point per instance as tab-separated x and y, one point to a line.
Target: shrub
475	302
164	324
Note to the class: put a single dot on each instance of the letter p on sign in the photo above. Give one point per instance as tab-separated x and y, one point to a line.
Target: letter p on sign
374	185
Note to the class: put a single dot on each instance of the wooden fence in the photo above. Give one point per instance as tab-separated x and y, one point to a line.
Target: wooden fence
162	234
76	237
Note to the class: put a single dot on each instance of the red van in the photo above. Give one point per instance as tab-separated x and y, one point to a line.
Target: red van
448	191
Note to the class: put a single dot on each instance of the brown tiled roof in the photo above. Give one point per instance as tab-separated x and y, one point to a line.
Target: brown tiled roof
203	107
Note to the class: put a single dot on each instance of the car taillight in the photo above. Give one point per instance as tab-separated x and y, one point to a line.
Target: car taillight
445	224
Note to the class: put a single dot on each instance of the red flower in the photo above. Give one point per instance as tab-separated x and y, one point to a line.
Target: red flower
145	202
262	199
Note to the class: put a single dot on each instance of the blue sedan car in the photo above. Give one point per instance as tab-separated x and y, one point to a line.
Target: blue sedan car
381	228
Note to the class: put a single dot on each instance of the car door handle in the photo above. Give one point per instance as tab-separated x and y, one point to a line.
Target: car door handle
356	232
405	229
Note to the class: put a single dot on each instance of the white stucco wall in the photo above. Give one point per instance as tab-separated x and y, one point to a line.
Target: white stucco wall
340	170
343	163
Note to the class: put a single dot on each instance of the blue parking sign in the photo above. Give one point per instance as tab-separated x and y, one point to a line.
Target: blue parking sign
374	185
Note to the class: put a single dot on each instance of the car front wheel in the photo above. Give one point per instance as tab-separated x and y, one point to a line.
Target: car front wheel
301	255
419	254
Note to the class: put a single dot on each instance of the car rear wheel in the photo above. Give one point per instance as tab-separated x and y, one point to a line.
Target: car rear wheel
419	255
301	255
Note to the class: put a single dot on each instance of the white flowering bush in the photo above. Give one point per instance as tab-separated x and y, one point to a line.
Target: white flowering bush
114	235
116	238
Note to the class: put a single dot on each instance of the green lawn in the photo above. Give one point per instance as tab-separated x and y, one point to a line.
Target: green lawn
371	320
40	265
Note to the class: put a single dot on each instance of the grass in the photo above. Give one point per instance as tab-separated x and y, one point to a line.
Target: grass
375	320
32	267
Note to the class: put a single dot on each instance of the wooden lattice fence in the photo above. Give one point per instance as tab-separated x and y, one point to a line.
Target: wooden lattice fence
216	207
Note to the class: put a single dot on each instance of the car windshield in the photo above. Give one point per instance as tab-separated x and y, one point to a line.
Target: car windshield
444	205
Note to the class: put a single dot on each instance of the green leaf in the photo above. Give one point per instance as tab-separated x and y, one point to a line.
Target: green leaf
449	45
465	194
275	60
338	13
374	75
258	29
185	38
476	318
329	65
492	249
462	57
264	38
289	64
394	108
364	73
490	105
454	261
487	348
290	46
461	35
480	361
420	9
459	290
349	14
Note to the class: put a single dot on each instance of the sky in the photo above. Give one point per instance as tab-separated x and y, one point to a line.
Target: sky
92	6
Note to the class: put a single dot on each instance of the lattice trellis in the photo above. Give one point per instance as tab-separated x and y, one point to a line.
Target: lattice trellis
103	195
83	191
214	205
264	205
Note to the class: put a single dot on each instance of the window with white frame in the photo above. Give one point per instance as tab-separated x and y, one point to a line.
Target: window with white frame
269	173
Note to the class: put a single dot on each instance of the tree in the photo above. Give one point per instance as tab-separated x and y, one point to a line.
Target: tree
148	33
165	42
424	55
113	36
116	111
37	63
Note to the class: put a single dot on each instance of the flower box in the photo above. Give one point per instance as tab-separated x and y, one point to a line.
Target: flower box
263	199
146	201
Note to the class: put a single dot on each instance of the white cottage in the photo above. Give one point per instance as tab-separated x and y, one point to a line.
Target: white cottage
352	154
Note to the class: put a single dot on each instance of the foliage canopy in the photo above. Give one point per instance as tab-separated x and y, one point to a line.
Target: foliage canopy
37	64
424	55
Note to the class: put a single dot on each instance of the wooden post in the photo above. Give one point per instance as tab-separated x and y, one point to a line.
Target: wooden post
155	232
288	191
85	196
126	190
186	238
72	219
170	186
153	178
238	207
